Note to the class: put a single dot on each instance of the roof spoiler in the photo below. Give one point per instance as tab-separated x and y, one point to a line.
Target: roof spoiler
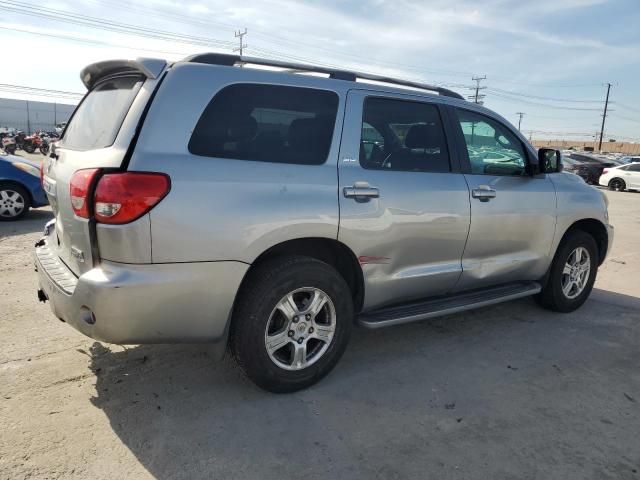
149	67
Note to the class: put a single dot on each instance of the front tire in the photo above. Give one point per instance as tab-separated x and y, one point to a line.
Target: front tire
572	274
617	184
29	147
292	323
14	202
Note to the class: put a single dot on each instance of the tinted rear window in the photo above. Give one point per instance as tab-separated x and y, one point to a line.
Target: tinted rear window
97	120
267	123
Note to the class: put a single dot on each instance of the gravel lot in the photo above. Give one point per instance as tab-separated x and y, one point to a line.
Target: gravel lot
509	391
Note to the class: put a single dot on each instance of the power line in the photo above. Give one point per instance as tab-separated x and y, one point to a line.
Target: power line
167	36
626	107
279	40
529	102
537	97
112	26
88	41
42	90
620	117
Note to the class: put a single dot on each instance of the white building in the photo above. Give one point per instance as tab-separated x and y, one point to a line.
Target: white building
31	116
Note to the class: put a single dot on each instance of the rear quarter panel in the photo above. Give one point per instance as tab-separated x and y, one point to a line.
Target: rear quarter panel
224	209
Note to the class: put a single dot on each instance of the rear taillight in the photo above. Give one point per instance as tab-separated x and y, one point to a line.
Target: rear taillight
79	189
605	170
124	197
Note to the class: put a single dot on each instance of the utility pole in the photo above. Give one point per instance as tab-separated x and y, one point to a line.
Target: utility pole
477	97
28	120
520	114
241	46
604	116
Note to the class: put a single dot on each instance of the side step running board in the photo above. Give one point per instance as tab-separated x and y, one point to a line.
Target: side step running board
437	307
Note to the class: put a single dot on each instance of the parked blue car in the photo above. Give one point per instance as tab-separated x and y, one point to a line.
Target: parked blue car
20	187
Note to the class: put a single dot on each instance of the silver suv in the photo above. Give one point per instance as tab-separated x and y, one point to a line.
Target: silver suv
268	209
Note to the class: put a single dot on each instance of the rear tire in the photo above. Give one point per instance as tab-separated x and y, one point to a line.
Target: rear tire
14	202
280	337
617	184
29	147
572	274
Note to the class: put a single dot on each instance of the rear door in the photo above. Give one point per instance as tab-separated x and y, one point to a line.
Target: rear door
97	136
632	175
513	214
404	205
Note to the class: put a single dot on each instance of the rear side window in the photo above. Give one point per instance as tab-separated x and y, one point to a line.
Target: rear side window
267	123
97	120
403	136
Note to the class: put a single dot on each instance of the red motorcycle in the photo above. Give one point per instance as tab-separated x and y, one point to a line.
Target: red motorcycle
35	142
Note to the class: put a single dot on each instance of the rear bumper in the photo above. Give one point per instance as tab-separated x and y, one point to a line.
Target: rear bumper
154	303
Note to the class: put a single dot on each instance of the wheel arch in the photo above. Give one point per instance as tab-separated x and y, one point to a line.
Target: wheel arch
617	178
596	229
18	184
327	250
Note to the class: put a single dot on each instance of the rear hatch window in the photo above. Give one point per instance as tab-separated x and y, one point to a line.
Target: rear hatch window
86	143
96	121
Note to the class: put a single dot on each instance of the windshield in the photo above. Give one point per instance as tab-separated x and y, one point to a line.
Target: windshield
97	120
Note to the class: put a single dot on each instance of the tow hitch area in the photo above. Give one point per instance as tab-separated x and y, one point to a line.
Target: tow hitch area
42	297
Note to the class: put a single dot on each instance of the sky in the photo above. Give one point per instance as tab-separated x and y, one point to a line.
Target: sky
550	59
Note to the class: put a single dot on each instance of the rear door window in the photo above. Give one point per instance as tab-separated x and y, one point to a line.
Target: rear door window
267	123
403	135
97	120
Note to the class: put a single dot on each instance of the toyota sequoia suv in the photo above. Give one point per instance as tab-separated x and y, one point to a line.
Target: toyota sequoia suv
267	209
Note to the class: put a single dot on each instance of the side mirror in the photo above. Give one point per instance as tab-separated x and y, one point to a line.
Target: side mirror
549	160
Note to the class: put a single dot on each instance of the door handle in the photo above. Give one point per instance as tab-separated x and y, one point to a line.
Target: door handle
484	193
361	192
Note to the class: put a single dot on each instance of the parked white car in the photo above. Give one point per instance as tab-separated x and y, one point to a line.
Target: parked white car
629	159
624	177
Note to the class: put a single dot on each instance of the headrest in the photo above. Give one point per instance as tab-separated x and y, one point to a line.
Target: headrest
423	135
302	132
242	128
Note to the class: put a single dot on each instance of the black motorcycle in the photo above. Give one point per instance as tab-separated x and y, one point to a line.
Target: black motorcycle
44	146
19	139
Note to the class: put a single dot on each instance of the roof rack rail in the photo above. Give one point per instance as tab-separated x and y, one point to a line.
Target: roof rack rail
231	60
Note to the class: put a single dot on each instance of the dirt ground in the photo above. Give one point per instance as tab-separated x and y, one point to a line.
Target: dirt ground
509	391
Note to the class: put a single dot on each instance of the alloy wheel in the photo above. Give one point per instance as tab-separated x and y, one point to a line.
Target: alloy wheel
300	329
575	274
12	203
616	185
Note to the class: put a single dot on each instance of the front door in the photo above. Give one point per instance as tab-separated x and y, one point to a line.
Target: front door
404	205
513	214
